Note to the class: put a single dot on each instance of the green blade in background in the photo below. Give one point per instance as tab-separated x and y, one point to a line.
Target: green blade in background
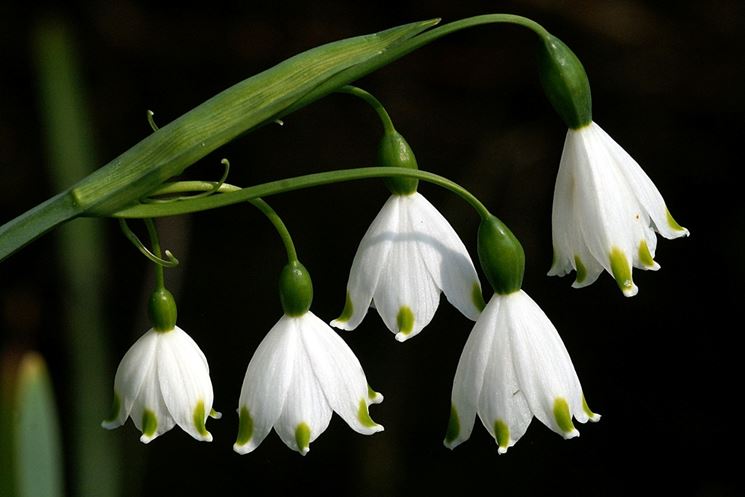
94	454
38	455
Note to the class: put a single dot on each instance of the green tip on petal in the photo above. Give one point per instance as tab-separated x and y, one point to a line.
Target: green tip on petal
580	269
348	311
116	406
645	256
373	396
502	434
245	427
593	416
363	415
477	297
564	418
672	223
199	419
302	438
405	320
453	426
621	269
149	423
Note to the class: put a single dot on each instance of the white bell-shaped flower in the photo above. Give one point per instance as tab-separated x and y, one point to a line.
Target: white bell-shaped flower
302	372
514	366
163	380
408	255
606	211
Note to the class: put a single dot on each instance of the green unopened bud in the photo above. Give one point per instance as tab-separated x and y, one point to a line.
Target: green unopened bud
162	309
501	255
394	151
295	289
565	82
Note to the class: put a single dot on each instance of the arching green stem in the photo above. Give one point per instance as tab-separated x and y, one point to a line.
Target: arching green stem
385	119
152	232
234	196
279	225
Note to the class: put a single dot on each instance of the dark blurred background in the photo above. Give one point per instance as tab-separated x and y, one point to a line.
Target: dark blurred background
662	367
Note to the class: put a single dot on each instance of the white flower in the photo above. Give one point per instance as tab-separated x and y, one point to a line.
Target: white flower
606	211
514	366
163	380
409	254
299	374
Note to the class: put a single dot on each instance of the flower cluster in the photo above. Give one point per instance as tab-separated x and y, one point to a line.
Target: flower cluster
514	365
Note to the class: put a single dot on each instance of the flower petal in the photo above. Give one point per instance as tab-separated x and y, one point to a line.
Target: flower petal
469	376
368	263
503	408
645	190
406	296
445	257
185	383
306	412
266	384
130	377
339	374
544	370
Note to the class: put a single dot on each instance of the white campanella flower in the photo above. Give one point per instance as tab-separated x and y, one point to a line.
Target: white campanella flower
606	211
302	372
163	380
408	255
514	366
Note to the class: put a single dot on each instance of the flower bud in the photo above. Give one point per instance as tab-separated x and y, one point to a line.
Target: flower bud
162	309
564	82
394	151
295	289
501	255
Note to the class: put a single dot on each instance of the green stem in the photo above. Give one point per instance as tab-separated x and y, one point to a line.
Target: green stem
385	119
279	225
155	244
285	185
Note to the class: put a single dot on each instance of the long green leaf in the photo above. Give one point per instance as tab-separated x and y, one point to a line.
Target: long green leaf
168	151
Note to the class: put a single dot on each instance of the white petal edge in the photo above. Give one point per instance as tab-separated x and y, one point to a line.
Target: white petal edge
267	380
368	263
339	374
